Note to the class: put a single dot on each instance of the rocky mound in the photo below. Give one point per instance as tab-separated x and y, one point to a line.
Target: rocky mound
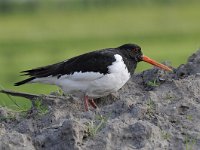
154	110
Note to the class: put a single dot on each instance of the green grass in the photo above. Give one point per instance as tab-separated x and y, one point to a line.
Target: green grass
165	32
95	125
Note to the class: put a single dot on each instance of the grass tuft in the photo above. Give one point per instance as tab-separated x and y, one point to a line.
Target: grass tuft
189	142
153	83
96	125
41	108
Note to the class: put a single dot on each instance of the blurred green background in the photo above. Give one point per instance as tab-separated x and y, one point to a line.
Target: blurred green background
35	33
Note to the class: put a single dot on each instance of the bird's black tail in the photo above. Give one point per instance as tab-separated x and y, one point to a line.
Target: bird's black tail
41	72
24	81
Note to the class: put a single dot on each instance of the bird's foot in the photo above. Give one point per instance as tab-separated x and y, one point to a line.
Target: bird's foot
86	103
93	104
90	101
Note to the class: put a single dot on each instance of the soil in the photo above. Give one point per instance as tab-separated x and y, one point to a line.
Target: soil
154	110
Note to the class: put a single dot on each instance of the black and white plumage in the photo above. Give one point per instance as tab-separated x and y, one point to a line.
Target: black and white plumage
91	75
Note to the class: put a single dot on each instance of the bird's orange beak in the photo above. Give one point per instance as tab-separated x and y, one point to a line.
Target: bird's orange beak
155	63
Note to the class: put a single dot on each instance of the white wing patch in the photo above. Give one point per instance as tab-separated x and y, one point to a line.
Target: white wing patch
83	76
76	76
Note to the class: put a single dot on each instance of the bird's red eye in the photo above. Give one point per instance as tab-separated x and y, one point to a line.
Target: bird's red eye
136	50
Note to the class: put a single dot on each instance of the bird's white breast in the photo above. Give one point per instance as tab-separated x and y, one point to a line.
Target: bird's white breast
118	75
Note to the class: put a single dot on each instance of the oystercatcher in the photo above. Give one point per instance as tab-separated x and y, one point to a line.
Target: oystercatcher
94	74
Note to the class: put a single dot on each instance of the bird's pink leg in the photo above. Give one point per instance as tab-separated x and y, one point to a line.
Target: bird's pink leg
86	103
93	104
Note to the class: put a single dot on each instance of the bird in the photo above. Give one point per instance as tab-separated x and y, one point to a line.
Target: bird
94	74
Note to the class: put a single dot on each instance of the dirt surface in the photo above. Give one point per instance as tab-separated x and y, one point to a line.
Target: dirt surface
154	110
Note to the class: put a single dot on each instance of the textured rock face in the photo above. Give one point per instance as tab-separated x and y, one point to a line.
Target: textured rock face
154	110
68	136
14	140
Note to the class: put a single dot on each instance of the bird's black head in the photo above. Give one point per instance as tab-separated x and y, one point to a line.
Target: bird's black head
131	51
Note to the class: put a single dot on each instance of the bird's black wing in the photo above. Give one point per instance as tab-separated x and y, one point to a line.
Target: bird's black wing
97	61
